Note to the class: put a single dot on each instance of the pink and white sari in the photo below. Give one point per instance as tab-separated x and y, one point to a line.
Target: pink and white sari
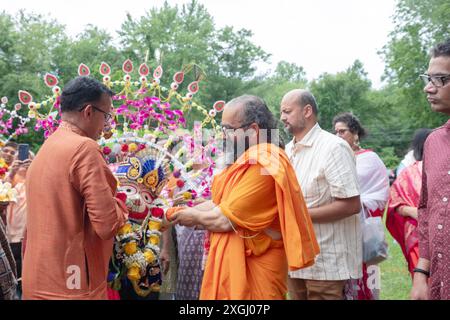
374	189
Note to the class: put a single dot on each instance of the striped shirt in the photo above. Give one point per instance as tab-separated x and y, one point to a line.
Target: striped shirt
326	169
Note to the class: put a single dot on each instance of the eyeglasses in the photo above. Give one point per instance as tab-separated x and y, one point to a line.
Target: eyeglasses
437	81
108	116
227	129
340	132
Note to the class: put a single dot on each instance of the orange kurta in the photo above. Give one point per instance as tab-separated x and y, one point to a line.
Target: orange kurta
72	217
258	192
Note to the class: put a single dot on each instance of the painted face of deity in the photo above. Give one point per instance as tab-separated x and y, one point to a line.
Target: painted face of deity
139	199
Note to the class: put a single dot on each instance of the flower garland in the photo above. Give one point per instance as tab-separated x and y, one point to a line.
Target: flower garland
12	124
7	192
143	104
3	168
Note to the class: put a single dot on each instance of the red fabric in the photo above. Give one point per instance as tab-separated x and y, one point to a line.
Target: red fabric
434	211
405	192
363	151
113	294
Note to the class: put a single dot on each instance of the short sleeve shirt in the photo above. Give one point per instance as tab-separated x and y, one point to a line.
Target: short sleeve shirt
326	169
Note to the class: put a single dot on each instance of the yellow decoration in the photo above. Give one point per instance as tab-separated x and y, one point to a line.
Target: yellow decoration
130	248
154	225
134	172
132	147
134	273
135	162
187	196
140	180
127	228
151	179
155	287
154	239
149	256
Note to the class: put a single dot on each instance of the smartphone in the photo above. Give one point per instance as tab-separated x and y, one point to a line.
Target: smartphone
24	151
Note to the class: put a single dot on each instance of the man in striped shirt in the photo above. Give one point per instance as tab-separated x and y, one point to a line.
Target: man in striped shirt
326	170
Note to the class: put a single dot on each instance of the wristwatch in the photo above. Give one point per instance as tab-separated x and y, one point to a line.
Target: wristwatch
427	273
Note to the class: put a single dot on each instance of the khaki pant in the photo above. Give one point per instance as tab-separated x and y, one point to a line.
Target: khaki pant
301	289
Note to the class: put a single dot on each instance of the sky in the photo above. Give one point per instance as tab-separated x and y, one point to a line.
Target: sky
320	35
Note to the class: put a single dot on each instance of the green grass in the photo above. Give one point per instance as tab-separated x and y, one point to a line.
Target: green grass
395	277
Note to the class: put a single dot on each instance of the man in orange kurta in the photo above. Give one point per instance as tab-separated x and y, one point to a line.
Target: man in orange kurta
72	212
259	223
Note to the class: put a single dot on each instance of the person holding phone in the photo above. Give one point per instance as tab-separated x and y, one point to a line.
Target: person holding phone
16	212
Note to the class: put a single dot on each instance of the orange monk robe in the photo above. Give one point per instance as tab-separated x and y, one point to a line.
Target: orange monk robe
72	217
249	264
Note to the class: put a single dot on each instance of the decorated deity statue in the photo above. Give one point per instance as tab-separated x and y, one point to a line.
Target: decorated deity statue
151	152
134	269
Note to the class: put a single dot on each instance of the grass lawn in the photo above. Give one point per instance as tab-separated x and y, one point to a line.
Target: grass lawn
395	277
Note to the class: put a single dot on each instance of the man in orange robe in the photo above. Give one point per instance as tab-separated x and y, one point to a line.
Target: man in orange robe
72	212
259	224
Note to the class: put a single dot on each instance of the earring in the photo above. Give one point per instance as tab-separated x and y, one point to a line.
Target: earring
356	142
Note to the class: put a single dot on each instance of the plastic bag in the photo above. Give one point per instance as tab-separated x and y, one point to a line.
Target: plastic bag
374	243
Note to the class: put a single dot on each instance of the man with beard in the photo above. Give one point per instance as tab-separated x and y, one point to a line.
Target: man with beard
257	218
326	170
432	272
72	212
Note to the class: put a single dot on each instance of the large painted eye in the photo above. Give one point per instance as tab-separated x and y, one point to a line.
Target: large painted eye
128	189
147	197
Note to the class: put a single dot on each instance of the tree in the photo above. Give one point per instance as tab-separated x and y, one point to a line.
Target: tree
34	45
344	92
419	25
272	87
286	71
185	35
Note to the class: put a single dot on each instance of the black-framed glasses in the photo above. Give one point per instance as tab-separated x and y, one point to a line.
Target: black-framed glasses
108	116
228	129
437	81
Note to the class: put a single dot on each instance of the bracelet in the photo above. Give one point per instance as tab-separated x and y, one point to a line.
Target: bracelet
427	273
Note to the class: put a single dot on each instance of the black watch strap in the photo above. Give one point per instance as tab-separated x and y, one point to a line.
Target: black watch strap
427	273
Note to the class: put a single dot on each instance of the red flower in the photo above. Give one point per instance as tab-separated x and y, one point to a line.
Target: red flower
141	146
107	150
180	184
2	171
157	212
124	148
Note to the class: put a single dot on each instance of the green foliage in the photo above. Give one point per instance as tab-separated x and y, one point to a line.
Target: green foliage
389	158
396	280
419	25
343	92
185	37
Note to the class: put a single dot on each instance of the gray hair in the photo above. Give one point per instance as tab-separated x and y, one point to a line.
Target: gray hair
255	110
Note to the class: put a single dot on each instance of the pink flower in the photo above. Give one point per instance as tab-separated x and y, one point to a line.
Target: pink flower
135	126
107	150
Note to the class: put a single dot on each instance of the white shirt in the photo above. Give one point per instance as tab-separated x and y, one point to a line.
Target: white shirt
326	169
